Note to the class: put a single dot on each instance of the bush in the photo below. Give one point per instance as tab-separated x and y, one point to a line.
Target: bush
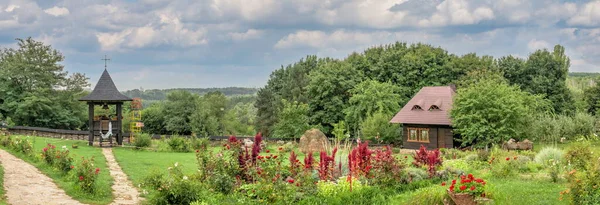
144	140
48	154
178	144
416	174
578	154
483	155
22	145
198	143
452	153
428	195
503	168
5	140
174	188
63	161
583	186
86	174
547	155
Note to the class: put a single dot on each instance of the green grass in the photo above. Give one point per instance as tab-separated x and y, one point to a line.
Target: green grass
65	182
2	191
139	163
526	192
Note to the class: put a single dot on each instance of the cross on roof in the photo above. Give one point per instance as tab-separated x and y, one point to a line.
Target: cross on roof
105	59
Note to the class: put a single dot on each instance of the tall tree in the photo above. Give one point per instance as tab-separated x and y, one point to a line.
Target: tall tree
178	110
36	91
370	97
329	90
293	120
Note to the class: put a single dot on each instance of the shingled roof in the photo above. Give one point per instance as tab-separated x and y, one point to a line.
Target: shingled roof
419	109
105	91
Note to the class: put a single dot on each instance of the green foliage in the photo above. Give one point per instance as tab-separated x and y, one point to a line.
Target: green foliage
428	195
86	174
578	154
548	156
339	131
208	118
143	140
490	111
161	94
583	184
370	97
178	144
178	110
293	120
35	89
378	125
154	119
174	188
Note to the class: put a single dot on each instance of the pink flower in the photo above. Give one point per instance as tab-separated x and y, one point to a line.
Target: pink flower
80	178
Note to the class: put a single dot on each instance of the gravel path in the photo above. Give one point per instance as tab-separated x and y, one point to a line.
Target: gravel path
25	184
123	190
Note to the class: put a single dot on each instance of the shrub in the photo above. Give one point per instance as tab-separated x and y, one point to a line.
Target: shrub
174	188
178	144
416	174
144	140
48	154
583	186
549	155
22	145
430	158
502	168
198	143
386	168
483	155
86	174
63	161
452	153
578	154
5	140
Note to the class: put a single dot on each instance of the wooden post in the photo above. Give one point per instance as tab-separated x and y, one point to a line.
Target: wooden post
91	126
120	121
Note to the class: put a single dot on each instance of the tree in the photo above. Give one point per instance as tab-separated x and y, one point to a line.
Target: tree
491	111
153	118
370	97
377	127
293	120
208	118
36	91
178	110
329	90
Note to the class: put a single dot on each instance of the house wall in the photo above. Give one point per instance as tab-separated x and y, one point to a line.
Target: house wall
434	132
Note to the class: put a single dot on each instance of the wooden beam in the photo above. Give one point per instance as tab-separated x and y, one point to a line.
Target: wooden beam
91	126
120	121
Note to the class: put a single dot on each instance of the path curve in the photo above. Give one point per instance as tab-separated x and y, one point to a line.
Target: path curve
123	190
25	184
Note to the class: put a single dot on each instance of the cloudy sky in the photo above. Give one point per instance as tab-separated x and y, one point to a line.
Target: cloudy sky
218	43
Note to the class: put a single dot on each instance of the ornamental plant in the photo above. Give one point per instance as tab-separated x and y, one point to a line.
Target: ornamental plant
327	165
387	168
467	184
432	159
48	154
63	161
86	174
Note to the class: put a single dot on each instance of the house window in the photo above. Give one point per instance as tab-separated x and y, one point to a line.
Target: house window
417	107
418	135
434	107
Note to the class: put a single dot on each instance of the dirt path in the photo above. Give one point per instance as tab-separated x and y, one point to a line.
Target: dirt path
123	190
25	184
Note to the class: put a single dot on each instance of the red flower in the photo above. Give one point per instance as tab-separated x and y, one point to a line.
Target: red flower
72	167
515	158
197	150
472	188
80	178
268	157
280	148
463	187
291	181
275	157
443	183
405	157
57	156
97	170
454	182
470	176
508	158
479	180
45	149
268	151
452	188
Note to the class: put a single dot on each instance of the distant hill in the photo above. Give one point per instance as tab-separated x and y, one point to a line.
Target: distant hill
161	94
583	74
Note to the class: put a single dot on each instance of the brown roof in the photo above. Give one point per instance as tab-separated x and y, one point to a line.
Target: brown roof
440	96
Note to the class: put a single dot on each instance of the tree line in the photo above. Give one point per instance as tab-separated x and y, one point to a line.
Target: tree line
364	90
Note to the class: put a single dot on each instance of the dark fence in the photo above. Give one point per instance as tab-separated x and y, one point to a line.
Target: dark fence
42	130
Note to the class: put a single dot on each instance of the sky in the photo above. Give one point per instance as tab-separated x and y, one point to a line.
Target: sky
157	44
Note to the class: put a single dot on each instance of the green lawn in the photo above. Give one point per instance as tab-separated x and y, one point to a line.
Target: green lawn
65	182
2	191
139	163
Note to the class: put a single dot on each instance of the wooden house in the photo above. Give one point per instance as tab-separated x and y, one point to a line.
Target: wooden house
426	120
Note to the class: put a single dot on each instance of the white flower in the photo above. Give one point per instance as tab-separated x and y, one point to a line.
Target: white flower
64	146
185	177
170	168
176	163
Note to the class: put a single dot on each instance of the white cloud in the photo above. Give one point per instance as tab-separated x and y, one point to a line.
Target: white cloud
11	8
320	39
249	34
457	12
170	31
57	11
588	15
535	44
